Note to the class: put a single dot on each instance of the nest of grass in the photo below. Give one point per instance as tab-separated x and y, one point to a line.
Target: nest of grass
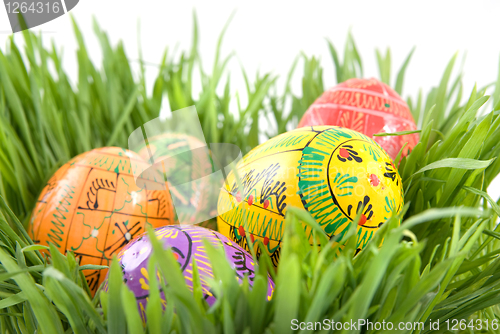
441	264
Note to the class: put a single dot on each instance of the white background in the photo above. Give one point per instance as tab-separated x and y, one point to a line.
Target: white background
268	35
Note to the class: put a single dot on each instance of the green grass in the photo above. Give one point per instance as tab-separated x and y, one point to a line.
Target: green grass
442	263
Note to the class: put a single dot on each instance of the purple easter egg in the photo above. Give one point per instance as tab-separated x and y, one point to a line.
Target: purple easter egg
186	243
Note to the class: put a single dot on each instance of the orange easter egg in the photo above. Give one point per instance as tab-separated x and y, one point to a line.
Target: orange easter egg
93	207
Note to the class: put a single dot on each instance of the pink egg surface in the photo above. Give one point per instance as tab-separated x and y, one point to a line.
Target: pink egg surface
369	107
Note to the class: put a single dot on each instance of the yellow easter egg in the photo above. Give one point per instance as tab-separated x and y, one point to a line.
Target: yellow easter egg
331	172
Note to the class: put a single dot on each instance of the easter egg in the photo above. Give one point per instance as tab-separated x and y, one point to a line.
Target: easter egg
186	244
185	162
93	207
331	172
367	106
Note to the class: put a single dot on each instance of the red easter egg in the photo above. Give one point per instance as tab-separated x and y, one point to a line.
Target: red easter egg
367	106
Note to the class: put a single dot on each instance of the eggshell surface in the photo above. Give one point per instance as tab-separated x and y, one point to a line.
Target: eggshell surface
331	172
369	107
186	163
186	244
93	207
